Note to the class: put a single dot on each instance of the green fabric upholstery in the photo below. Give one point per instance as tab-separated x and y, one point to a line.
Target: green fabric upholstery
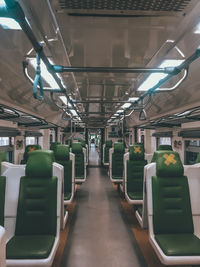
135	195
29	247
53	145
40	164
179	244
62	157
135	172
83	143
2	198
136	152
172	214
118	161
28	150
171	205
165	147
2	158
198	158
168	163
160	148
36	222
79	160
108	145
62	152
37	205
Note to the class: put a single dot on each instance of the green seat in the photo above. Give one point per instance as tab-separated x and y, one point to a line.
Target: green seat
118	163
2	198
83	143
135	173
28	150
68	142
36	222
161	148
198	158
53	145
62	157
77	150
108	145
172	214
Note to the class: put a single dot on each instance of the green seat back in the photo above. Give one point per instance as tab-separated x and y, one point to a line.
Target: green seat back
108	145
198	158
79	160
161	148
2	198
171	200
118	160
135	168
28	150
83	143
53	145
37	203
68	142
62	157
2	158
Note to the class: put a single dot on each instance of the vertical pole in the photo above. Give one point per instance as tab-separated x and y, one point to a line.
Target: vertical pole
102	142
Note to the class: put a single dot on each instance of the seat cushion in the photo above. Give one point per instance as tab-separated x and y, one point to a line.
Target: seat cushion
179	244
135	195
67	195
29	247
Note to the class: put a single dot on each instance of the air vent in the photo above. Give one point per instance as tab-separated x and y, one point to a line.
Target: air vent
126	5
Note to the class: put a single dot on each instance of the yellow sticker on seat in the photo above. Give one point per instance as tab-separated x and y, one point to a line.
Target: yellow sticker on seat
169	159
137	149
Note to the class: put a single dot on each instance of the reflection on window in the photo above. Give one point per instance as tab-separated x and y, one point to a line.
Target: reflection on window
165	141
4	141
31	141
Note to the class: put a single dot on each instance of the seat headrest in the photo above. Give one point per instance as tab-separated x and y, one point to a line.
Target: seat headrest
3	156
77	148
165	147
108	143
136	152
62	152
119	148
31	148
39	164
168	164
161	148
53	145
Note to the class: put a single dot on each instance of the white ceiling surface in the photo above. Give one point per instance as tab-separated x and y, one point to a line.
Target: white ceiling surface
101	42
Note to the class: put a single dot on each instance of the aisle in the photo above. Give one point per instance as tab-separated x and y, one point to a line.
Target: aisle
99	235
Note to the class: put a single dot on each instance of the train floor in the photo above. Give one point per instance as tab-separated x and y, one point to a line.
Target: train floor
99	234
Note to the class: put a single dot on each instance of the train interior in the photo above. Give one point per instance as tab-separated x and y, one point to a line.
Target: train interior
99	133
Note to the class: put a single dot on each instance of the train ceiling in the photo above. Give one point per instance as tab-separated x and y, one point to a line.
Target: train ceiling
102	34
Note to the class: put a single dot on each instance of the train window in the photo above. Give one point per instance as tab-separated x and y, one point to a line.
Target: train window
4	141
165	141
31	140
192	148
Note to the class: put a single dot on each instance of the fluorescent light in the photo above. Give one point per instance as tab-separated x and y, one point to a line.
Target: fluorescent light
45	73
120	111
8	23
73	112
127	105
2	3
154	78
